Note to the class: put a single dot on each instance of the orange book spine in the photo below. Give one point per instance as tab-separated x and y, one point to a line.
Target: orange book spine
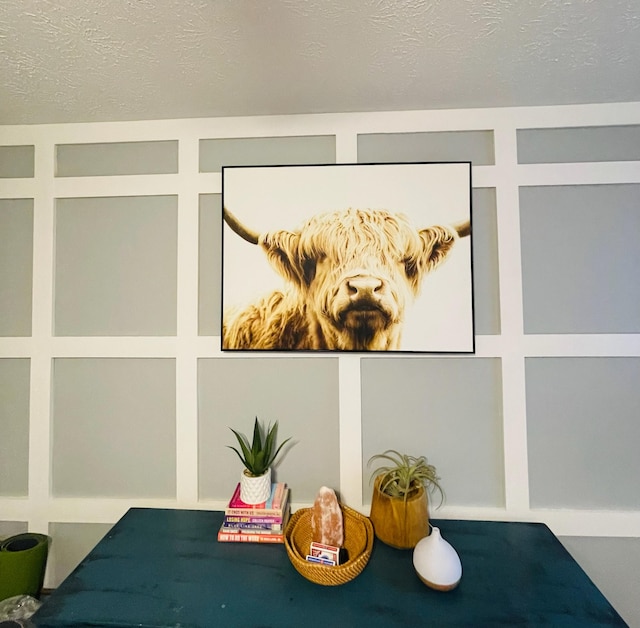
239	537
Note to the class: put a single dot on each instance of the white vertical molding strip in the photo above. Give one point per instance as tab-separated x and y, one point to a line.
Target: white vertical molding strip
40	398
350	413
350	384
187	324
511	321
346	147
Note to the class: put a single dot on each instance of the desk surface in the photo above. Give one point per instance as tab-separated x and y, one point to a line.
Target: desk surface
166	568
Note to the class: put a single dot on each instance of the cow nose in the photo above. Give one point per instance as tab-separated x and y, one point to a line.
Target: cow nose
363	286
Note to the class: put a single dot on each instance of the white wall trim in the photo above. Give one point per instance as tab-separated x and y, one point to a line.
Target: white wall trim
512	346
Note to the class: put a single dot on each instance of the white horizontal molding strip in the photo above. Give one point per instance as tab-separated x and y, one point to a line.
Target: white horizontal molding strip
497	346
581	345
96	510
210	183
563	522
131	185
208	346
590	522
579	174
610	114
16	347
114	346
484	176
17	188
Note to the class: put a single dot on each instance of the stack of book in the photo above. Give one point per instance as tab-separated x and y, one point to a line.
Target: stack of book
256	523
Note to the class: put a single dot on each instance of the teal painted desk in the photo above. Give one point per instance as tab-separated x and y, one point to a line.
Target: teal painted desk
166	568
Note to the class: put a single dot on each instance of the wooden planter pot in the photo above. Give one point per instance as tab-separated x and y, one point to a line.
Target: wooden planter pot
398	523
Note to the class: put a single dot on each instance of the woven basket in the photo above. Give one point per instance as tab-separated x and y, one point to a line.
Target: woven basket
358	542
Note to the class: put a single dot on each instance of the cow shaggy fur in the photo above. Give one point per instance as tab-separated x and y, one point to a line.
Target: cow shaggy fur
349	277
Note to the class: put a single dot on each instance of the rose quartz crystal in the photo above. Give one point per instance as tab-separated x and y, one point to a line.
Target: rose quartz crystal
326	519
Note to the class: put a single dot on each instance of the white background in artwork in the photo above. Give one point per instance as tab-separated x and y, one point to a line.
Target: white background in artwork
271	198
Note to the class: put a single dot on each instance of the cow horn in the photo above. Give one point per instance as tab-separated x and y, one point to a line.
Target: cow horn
463	228
245	233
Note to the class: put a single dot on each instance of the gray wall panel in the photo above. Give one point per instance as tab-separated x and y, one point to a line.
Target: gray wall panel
70	543
10	528
475	146
614	566
580	144
300	393
210	265
417	407
16	162
254	151
486	285
580	259
16	266
583	432
114	428
116	266
118	158
14	426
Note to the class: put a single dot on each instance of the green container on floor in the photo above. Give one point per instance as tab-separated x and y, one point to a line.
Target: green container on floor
23	560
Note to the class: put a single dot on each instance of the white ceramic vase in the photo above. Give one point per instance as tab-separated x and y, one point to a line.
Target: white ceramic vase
436	562
255	490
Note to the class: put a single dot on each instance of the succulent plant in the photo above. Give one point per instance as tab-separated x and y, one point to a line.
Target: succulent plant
259	454
405	475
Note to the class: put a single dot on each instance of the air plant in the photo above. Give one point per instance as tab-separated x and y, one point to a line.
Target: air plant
406	475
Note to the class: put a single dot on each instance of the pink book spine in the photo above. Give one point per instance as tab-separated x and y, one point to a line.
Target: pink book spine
239	508
236	502
279	495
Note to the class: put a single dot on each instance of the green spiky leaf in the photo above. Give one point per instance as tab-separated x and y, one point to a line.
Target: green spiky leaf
258	455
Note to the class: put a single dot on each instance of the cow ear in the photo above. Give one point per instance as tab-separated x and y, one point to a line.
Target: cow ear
437	242
283	252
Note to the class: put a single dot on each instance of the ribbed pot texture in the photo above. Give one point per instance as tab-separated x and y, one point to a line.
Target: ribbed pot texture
398	523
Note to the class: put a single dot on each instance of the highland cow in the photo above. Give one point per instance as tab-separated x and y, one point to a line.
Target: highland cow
349	277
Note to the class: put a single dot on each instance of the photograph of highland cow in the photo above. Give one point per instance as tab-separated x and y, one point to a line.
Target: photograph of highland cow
348	257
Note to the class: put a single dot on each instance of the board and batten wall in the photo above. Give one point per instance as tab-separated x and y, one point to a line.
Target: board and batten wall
114	391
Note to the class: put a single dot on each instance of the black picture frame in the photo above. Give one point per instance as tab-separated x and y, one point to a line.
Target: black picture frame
359	303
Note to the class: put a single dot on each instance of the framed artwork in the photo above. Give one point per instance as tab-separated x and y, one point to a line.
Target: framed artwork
347	257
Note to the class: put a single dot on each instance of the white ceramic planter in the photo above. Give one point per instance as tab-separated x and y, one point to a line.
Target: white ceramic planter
436	562
255	490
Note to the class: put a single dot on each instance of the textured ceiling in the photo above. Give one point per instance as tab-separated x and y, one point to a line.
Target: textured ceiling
95	60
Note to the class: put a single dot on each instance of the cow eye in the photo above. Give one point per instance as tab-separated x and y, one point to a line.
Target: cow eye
410	266
309	269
